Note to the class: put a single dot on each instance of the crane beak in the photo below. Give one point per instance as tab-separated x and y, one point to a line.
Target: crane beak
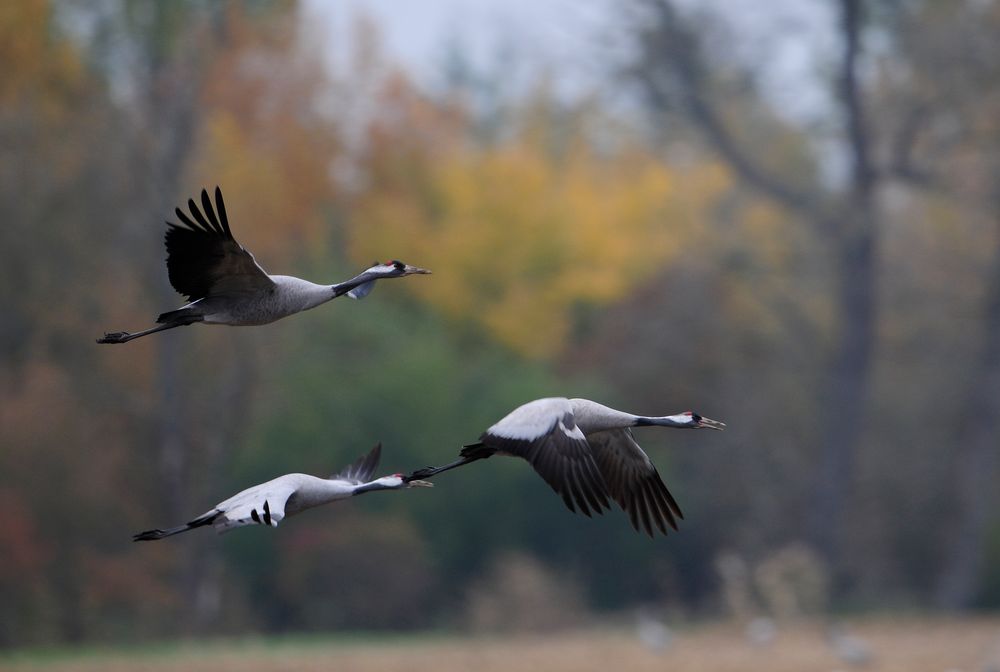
420	484
415	270
708	423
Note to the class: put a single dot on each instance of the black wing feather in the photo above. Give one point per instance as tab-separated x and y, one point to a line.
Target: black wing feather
565	463
188	223
220	205
633	481
206	203
203	257
200	218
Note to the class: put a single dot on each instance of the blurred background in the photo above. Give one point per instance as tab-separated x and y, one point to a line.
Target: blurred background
783	216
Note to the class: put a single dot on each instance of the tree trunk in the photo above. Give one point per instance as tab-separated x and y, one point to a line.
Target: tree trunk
234	393
168	123
674	74
844	401
976	456
848	378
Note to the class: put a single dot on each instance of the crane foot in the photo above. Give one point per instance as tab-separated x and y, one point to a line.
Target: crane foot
115	337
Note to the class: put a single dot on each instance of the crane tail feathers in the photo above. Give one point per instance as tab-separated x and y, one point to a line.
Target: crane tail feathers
476	451
469	454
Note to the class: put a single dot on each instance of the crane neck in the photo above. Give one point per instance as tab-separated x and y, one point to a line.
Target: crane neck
594	417
372	487
681	421
342	288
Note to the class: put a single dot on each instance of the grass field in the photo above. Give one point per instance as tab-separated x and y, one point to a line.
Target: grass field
905	645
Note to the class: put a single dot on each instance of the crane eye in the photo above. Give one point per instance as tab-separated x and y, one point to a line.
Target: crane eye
687	413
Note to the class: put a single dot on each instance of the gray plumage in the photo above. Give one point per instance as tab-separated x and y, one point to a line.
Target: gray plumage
224	284
271	502
586	452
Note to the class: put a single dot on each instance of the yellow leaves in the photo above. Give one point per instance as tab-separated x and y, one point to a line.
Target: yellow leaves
764	248
518	237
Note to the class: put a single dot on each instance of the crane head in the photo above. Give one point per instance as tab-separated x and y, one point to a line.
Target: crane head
394	268
397	481
701	422
413	483
394	482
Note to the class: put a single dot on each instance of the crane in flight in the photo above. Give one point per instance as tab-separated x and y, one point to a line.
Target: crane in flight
224	284
269	503
586	453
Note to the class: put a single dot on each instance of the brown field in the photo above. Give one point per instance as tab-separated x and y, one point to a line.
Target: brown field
903	645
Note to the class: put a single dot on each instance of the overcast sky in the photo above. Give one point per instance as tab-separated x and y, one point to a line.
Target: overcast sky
568	37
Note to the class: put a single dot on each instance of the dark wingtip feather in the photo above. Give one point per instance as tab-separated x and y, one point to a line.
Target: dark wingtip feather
181	215
196	212
206	204
220	206
662	496
568	501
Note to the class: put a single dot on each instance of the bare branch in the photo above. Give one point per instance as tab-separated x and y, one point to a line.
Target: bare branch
862	170
671	52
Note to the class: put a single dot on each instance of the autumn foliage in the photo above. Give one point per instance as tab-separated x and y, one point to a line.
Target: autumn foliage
574	252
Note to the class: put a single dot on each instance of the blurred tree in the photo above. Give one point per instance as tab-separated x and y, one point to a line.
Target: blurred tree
948	149
251	119
569	259
916	140
47	93
157	55
49	192
676	71
106	113
599	220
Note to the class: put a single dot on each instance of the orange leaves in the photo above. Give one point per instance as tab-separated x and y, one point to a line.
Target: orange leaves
35	61
26	553
265	137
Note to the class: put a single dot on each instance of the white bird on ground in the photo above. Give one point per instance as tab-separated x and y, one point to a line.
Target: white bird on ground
587	454
761	631
850	648
225	284
269	503
654	634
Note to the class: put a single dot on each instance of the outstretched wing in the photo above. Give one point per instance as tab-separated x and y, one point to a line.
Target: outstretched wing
544	433
362	470
203	258
633	480
262	504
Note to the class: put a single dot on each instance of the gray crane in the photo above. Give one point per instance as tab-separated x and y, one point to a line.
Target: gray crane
224	284
269	503
586	452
